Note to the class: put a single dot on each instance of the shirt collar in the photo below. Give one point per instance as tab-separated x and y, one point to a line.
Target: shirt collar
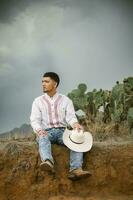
53	97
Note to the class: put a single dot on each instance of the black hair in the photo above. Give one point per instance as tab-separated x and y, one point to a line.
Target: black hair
53	76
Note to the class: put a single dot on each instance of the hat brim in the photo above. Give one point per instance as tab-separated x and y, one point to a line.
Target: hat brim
84	147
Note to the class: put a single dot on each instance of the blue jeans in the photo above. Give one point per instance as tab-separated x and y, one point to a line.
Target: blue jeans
55	136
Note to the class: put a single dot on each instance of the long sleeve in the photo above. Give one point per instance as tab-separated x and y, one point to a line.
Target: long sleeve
35	117
70	114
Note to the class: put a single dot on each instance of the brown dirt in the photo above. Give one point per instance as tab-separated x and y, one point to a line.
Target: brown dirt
111	164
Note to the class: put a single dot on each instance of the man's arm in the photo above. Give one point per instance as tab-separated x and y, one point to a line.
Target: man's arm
35	119
71	117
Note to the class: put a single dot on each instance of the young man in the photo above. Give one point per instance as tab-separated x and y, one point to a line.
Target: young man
51	114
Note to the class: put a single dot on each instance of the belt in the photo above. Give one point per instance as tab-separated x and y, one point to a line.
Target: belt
47	129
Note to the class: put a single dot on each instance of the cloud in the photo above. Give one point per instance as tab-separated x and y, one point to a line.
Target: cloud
83	41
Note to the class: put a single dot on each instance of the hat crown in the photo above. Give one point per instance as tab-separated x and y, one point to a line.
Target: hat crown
77	136
77	141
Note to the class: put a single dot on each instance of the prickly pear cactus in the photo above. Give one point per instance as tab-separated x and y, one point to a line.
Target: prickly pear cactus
128	94
79	97
130	119
117	102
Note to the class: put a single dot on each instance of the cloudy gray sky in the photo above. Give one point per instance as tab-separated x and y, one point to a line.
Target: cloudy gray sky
88	41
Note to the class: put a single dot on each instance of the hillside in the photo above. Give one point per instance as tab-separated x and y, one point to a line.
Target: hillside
110	161
111	164
23	132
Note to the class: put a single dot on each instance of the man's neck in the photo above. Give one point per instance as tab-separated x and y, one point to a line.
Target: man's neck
52	93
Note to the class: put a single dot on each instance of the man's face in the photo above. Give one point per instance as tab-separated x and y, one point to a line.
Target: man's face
48	84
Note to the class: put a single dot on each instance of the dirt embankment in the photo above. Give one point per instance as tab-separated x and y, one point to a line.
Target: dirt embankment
111	165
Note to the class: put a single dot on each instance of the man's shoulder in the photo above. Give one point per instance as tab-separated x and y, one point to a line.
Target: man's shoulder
38	98
65	97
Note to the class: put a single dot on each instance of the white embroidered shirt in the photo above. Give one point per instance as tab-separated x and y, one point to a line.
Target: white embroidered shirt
49	112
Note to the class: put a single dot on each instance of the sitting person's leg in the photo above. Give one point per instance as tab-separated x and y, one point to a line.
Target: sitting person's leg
45	151
76	160
45	148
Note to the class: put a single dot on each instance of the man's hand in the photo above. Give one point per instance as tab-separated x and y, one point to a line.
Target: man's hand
77	126
42	133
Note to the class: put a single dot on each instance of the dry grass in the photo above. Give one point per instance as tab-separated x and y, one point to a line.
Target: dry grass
105	131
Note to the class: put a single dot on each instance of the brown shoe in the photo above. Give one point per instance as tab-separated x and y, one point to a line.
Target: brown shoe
78	173
47	165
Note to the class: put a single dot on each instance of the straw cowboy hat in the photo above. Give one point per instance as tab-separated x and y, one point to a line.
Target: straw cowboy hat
77	141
